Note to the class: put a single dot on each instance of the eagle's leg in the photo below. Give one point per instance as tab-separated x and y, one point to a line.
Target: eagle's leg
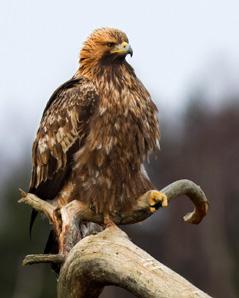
108	222
156	199
57	221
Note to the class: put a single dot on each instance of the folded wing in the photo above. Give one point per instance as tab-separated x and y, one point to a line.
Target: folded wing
64	126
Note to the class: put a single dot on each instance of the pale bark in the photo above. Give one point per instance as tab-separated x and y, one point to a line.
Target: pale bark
110	258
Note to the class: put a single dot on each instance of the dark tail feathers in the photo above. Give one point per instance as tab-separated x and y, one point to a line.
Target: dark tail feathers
32	220
51	244
52	248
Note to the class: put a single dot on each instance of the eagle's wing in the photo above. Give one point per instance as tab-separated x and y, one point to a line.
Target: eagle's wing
63	128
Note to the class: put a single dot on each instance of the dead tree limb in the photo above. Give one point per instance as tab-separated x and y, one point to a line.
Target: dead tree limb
141	209
110	258
43	258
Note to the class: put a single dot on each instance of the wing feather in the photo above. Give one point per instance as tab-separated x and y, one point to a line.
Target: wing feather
63	128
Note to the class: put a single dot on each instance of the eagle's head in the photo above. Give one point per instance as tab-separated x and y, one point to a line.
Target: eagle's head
105	46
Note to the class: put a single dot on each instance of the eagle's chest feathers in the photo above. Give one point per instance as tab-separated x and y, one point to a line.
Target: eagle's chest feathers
122	132
124	123
124	129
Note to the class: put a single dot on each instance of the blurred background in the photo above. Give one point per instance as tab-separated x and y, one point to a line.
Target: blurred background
187	54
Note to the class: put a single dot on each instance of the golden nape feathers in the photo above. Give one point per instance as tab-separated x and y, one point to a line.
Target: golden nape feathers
101	42
102	48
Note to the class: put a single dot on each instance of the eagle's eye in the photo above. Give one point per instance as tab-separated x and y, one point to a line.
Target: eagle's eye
110	44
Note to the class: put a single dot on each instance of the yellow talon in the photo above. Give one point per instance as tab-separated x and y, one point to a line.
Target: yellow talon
157	199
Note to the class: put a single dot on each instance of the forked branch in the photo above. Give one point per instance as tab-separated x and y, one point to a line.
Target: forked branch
110	258
141	209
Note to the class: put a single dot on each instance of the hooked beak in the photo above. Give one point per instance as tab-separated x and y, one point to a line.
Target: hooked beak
122	49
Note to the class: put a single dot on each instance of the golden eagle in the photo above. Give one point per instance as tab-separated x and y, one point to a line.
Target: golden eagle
96	131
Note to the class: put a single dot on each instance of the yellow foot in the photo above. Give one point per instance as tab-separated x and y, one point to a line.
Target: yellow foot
157	199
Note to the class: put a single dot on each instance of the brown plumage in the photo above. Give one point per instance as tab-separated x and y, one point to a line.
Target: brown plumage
96	131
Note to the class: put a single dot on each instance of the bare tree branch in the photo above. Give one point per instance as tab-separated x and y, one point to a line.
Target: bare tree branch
196	195
43	258
36	203
110	258
141	209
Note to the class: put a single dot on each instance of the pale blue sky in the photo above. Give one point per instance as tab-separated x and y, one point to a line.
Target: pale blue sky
176	44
